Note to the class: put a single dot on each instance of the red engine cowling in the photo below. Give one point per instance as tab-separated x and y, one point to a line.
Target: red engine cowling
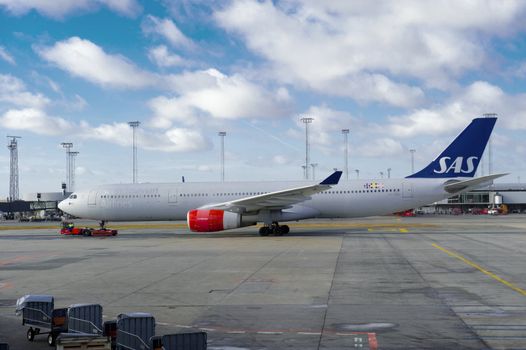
211	220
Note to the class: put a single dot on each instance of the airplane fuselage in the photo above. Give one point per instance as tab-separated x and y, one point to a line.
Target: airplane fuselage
172	201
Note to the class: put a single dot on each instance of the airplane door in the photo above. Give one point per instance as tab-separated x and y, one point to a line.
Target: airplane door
92	198
407	190
172	197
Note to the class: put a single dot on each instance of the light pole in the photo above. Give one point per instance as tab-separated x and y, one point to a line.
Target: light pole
68	146
222	134
381	174
388	173
314	165
412	160
13	168
345	133
357	173
134	125
72	156
490	160
307	121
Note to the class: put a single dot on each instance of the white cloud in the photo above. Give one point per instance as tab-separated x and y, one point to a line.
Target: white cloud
186	140
34	120
130	8
368	50
163	58
326	124
84	59
280	159
167	29
172	140
210	93
382	147
470	102
61	8
6	56
13	91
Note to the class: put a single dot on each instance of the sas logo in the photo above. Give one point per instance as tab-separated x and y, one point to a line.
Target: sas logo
456	165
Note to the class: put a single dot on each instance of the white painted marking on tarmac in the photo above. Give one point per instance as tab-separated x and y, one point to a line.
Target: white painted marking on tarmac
162	323
183	326
208	329
269	333
309	333
236	332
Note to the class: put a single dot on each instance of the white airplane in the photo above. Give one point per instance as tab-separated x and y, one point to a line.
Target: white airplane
210	207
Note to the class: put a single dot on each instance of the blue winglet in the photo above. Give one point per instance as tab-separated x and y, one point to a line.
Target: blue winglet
333	179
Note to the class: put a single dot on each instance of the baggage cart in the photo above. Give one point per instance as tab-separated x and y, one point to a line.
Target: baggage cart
85	318
134	331
184	341
38	311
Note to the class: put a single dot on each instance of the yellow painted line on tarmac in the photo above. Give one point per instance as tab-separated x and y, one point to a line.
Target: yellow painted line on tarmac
481	269
403	230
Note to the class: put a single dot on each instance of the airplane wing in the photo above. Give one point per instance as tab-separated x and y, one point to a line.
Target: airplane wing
454	186
278	199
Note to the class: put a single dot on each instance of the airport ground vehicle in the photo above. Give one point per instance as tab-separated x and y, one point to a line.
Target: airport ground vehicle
68	228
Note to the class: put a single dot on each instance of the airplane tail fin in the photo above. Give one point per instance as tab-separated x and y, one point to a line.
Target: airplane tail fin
461	158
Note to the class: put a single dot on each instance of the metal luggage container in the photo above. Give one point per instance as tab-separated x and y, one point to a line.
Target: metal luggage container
4	346
184	341
85	318
134	331
36	310
39	311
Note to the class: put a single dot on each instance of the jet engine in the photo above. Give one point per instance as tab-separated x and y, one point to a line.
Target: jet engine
210	220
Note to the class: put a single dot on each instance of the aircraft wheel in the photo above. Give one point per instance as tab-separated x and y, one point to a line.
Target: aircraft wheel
285	229
30	334
264	231
86	233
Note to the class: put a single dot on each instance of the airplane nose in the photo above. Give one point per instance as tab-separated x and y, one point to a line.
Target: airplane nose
62	205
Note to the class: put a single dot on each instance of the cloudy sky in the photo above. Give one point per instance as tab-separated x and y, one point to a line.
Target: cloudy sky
398	74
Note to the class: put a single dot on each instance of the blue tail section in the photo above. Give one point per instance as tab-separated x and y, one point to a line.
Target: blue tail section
461	158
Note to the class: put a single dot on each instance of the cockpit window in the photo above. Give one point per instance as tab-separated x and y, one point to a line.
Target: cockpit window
73	196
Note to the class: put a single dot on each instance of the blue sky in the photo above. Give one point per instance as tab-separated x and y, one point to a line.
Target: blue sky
403	75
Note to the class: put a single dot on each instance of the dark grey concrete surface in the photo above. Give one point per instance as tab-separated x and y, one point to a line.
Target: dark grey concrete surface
433	282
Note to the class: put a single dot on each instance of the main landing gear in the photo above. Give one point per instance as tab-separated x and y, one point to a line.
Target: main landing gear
274	229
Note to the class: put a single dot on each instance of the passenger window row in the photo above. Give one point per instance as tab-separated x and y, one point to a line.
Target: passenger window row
107	196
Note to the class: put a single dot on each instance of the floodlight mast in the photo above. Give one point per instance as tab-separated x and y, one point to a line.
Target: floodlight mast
222	134
13	168
72	156
134	125
412	160
68	146
307	121
345	133
490	160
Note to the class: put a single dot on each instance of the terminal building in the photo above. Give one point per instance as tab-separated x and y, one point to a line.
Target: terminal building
510	197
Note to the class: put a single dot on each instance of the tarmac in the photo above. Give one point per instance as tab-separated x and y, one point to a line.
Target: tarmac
428	282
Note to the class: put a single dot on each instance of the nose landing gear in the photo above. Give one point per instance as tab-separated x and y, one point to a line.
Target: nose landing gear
274	229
